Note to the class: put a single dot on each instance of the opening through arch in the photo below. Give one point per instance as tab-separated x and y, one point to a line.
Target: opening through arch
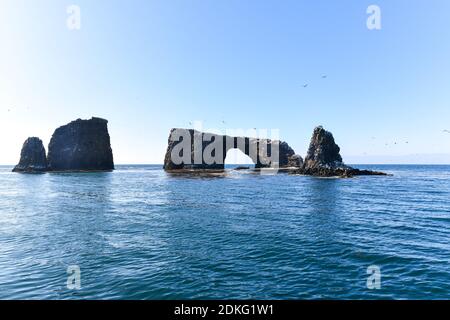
235	158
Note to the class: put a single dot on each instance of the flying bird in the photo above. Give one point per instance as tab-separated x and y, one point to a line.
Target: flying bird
446	131
305	85
324	76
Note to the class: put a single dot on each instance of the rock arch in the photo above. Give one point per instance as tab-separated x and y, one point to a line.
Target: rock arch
192	149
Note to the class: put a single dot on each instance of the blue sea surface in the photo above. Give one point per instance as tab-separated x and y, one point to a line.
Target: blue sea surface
140	233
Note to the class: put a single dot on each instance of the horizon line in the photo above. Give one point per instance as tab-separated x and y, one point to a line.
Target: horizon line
232	164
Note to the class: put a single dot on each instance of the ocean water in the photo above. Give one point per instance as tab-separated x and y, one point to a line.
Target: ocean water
139	233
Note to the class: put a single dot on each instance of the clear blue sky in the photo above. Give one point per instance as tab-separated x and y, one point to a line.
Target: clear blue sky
148	66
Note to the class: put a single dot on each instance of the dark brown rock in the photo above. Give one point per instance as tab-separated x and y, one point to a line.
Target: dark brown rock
241	168
324	159
323	151
295	161
347	172
261	151
32	157
82	145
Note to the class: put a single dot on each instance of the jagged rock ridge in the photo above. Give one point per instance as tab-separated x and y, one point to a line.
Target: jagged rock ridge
324	159
323	151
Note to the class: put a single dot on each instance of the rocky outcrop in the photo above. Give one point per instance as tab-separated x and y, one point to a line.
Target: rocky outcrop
32	157
241	168
82	145
323	151
324	159
343	172
295	161
190	149
288	158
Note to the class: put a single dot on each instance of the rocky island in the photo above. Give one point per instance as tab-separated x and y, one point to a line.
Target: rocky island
187	150
84	145
32	157
322	160
81	145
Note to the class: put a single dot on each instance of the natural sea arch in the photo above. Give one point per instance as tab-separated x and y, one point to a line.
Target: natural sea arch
191	149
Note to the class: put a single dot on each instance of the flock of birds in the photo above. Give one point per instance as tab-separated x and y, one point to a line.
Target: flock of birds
373	138
305	86
407	142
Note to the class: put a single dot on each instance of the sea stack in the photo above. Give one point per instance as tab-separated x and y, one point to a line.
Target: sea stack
81	145
32	157
323	152
324	159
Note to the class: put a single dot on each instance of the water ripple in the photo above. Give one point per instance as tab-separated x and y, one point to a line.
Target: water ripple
139	233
